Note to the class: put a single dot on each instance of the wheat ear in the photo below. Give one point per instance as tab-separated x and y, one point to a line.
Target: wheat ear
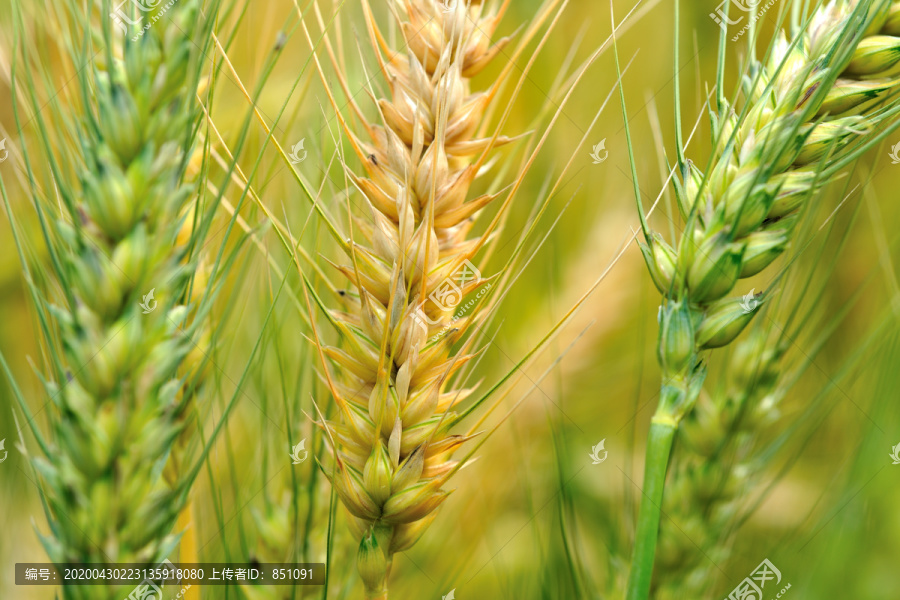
730	437
122	377
803	106
393	446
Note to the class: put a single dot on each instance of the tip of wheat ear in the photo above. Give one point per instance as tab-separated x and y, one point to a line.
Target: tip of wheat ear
393	447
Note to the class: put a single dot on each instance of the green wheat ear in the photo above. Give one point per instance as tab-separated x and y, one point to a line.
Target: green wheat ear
123	309
810	107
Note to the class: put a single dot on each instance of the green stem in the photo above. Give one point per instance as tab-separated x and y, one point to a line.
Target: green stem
659	447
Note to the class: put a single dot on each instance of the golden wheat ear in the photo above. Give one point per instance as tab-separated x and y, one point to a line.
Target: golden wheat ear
409	263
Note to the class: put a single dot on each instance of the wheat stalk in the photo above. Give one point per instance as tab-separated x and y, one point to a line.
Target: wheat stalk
124	343
802	107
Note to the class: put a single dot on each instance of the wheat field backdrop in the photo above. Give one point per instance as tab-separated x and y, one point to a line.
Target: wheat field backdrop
464	300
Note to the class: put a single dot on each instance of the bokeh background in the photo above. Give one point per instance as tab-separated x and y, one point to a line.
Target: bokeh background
533	518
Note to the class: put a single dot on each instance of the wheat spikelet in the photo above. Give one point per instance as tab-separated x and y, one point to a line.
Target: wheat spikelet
125	249
393	445
803	106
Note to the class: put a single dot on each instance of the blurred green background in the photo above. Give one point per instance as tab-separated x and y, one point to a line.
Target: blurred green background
533	515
